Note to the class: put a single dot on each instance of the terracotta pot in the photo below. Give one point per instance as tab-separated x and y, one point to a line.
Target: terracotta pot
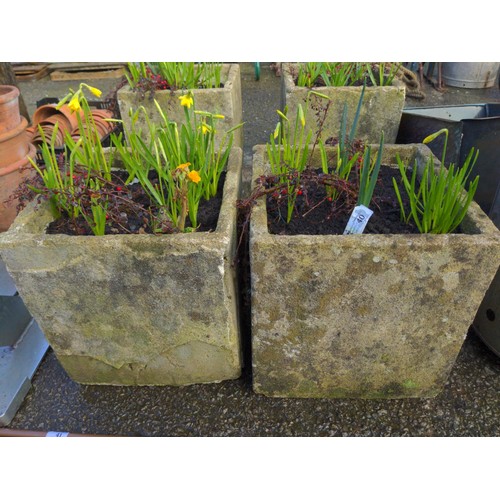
71	116
14	144
9	108
10	179
64	113
48	131
30	132
102	113
64	123
102	126
43	112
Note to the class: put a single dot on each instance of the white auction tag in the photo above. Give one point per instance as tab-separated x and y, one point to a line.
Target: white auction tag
358	220
56	434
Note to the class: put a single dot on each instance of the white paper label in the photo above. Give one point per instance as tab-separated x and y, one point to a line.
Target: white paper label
358	220
56	434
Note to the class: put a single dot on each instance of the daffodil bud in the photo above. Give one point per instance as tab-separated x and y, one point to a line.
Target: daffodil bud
281	114
277	130
431	137
94	91
319	94
301	116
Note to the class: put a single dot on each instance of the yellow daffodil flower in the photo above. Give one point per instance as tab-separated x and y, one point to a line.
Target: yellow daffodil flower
205	128
194	176
220	117
186	100
95	91
183	166
74	104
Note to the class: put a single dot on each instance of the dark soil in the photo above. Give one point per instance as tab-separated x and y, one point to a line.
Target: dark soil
130	213
315	214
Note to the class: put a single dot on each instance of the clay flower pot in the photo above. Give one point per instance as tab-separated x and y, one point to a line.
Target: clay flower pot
64	123
9	108
43	112
102	126
64	113
14	144
11	177
102	113
48	131
30	132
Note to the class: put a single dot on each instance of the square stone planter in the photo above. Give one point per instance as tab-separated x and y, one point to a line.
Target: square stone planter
364	316
381	110
134	309
225	101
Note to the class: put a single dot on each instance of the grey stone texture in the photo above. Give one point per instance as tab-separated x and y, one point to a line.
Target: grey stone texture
364	316
134	309
381	110
225	101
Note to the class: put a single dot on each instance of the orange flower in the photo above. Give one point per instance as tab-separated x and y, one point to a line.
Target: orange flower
183	166
194	176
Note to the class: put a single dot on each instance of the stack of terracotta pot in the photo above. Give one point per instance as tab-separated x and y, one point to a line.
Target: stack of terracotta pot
48	115
15	148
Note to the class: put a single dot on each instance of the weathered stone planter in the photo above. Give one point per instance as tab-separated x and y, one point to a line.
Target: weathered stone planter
225	101
133	309
364	316
381	110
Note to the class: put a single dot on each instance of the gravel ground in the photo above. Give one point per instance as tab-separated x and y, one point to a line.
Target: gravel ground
468	406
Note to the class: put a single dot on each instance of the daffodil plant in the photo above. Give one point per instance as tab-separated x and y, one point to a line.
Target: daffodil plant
81	172
175	75
439	202
344	74
287	151
184	158
346	158
369	174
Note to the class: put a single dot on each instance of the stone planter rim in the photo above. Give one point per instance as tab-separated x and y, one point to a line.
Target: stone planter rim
27	226
484	225
290	83
227	83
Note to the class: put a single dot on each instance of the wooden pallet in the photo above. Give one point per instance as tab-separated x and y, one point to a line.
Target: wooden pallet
27	72
83	71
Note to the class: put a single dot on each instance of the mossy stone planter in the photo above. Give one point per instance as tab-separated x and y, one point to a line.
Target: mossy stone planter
134	309
225	101
381	110
364	316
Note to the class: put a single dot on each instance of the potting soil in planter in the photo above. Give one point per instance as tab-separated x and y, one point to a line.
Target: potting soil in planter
132	216
315	214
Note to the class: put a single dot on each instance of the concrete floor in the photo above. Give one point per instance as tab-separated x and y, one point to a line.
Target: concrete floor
468	406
